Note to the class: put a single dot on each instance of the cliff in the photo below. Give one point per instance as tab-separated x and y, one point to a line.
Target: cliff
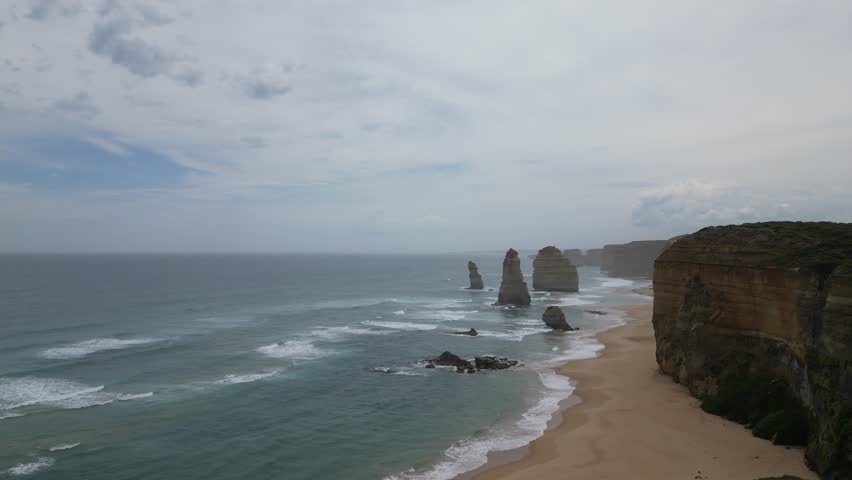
513	288
634	259
475	277
554	272
756	320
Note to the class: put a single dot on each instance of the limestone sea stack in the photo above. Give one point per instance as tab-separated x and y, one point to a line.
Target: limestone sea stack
552	272
554	318
475	277
513	288
756	320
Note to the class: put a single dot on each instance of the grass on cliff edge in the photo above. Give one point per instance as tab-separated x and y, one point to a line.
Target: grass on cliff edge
765	406
814	245
785	477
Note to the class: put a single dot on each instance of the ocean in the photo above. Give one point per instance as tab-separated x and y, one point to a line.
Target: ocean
275	366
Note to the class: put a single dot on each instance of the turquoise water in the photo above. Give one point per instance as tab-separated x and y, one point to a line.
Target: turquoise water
296	367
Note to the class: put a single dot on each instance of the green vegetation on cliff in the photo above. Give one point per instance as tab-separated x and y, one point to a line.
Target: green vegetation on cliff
765	406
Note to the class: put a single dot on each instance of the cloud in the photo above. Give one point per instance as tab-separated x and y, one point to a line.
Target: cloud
44	9
111	39
108	146
265	82
81	103
8	189
689	205
304	117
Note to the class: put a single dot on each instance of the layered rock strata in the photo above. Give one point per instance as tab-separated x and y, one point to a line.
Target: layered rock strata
475	277
553	272
756	320
513	288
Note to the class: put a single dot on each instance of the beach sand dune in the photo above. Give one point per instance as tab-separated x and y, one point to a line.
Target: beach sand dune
633	422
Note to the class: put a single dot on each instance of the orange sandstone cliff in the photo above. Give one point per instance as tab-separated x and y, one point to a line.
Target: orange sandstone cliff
756	320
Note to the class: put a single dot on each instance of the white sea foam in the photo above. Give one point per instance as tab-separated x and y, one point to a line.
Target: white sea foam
63	446
301	349
409	326
615	282
469	454
404	371
26	391
30	468
246	378
576	301
5	415
124	397
337	334
514	334
399	312
88	347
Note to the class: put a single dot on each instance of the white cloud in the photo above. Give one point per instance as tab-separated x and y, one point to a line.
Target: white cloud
560	116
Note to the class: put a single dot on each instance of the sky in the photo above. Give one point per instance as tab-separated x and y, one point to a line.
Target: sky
406	126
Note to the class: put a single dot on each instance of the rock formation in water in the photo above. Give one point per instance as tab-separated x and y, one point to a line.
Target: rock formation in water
471	333
513	288
485	362
475	277
490	362
756	320
553	272
554	318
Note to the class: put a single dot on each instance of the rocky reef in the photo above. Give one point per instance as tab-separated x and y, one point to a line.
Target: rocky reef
513	288
756	320
554	272
484	362
475	277
634	259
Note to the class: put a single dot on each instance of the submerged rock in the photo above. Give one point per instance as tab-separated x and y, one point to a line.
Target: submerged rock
472	332
475	277
513	288
554	272
489	362
554	318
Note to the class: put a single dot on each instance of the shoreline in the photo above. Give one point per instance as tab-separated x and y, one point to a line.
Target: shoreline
627	420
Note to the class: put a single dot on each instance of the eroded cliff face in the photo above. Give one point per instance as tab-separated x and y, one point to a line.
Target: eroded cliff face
766	304
513	288
553	272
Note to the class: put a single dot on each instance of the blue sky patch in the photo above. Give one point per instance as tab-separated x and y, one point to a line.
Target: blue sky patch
63	164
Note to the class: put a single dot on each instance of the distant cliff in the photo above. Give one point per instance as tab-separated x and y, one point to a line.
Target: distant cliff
634	259
756	320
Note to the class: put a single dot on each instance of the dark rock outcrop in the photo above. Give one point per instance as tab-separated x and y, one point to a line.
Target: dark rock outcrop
554	318
449	359
472	332
475	277
553	272
489	362
484	362
756	320
513	288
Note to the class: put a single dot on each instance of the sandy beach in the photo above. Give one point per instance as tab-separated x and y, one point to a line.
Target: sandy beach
633	422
